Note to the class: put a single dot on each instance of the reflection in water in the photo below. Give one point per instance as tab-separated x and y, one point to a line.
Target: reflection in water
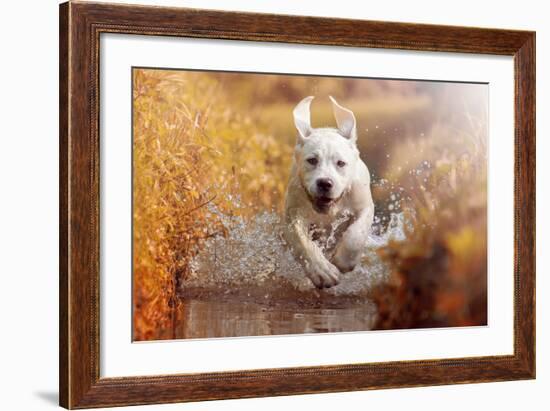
209	319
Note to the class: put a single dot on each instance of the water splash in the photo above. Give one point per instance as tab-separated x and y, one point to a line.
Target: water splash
252	261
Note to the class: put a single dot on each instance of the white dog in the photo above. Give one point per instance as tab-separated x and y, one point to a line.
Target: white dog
328	182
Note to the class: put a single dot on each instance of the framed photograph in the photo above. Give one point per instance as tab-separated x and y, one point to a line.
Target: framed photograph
258	205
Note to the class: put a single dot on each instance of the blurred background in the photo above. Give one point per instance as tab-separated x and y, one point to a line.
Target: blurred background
204	139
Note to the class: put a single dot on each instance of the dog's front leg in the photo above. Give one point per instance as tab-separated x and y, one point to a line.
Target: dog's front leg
319	270
353	242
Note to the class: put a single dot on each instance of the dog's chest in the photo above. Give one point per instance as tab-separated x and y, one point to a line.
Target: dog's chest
327	230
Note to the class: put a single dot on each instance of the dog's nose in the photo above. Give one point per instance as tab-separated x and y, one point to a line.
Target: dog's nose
324	184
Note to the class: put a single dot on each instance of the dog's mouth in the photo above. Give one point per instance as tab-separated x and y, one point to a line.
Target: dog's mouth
322	204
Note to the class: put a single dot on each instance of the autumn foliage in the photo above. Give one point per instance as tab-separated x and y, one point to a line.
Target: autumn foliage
439	274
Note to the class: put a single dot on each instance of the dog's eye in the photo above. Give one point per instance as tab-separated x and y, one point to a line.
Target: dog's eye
341	163
313	161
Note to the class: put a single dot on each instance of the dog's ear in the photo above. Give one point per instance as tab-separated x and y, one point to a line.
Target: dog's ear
345	120
302	118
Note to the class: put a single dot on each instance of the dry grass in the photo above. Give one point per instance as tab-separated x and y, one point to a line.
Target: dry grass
191	148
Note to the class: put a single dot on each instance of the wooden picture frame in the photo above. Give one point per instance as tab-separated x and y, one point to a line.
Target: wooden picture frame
80	27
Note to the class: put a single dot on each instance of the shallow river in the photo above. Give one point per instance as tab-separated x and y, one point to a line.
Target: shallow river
248	284
214	318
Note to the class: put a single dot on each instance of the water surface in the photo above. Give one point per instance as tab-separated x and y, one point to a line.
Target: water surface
218	318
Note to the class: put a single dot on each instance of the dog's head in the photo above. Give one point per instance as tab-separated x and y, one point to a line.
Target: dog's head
325	157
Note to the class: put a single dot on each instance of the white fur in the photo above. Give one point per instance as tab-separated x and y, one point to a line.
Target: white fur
308	208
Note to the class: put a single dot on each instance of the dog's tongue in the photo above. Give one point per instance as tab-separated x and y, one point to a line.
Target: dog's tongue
324	200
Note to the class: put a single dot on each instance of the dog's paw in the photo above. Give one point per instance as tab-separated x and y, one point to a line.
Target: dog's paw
323	274
345	261
344	267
